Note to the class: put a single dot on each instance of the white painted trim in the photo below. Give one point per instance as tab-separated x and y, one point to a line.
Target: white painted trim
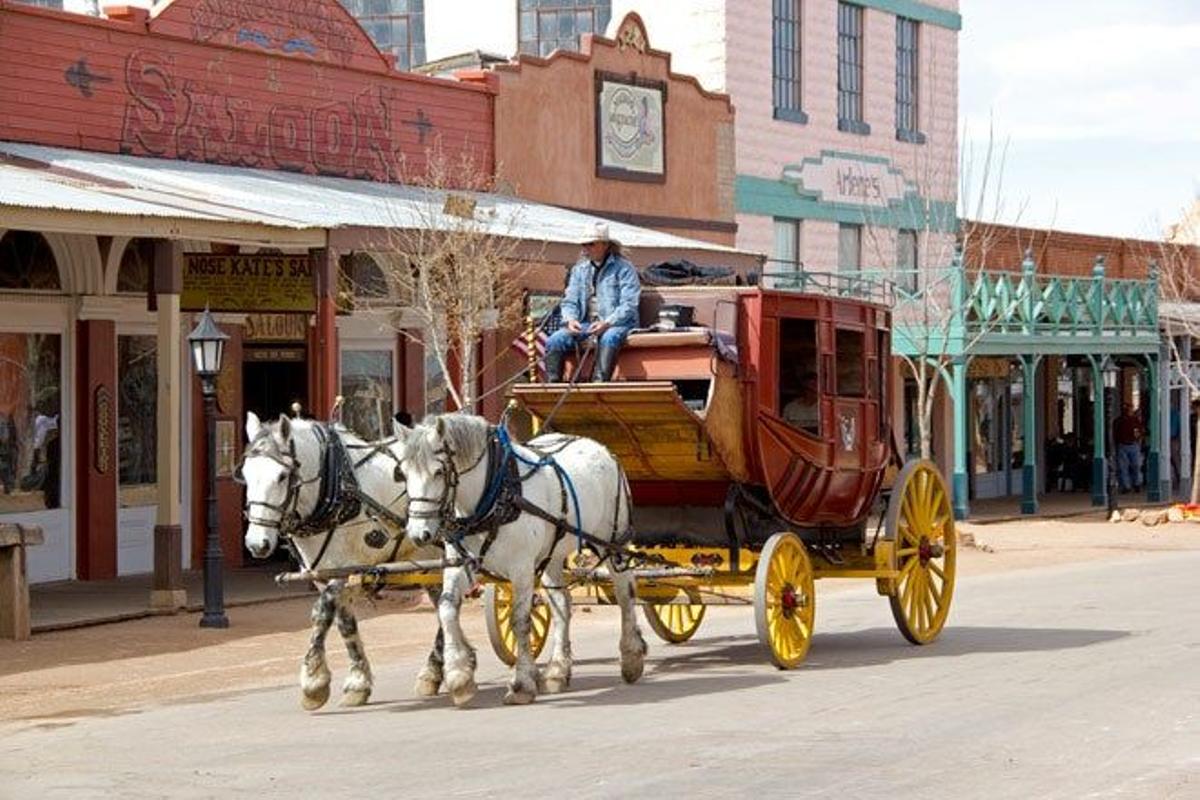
120	309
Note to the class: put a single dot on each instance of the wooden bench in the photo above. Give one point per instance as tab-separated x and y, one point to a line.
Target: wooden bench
14	584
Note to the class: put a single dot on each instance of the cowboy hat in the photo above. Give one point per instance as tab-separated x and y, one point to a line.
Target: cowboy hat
595	232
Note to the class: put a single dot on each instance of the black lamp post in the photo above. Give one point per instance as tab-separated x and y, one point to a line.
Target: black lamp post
208	347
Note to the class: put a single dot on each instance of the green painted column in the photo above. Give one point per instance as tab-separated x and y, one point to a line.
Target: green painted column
1154	471
1099	434
1029	497
958	394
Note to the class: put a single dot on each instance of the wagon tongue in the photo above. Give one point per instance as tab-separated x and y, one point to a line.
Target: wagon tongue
644	424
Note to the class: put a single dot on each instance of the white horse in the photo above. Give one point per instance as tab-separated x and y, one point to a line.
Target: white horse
450	467
328	527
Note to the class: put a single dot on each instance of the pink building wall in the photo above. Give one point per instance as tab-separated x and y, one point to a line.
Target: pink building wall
766	145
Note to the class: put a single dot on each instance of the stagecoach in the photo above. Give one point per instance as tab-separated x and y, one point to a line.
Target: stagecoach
758	447
756	442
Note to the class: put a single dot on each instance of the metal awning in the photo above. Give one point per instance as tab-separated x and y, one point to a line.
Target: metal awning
193	197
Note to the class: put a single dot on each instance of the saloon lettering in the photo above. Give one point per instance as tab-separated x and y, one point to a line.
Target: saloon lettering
186	119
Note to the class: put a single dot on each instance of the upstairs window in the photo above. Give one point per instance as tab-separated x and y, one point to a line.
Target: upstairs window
850	69
786	255
548	25
907	76
785	60
849	248
396	26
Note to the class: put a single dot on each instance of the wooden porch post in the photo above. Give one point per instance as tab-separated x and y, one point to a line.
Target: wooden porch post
167	592
325	354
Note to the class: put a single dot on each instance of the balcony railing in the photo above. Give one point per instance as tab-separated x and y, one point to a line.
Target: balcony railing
872	287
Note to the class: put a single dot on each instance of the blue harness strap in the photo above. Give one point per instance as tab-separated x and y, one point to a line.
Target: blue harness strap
546	461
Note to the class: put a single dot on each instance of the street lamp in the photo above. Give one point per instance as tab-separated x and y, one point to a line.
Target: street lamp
208	347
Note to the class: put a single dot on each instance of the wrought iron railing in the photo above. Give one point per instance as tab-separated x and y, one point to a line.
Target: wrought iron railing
872	287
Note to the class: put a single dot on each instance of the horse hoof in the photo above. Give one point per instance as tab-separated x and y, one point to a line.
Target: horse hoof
427	687
461	687
632	669
556	685
356	697
315	698
518	698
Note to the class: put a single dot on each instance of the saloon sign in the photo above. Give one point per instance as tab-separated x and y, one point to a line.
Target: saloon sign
247	283
838	179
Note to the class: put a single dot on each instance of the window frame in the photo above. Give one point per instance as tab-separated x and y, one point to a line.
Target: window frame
863	391
601	11
908	81
857	266
414	47
850	61
787	60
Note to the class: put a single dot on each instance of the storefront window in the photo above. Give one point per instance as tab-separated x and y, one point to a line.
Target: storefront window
26	262
137	265
137	427
368	389
30	420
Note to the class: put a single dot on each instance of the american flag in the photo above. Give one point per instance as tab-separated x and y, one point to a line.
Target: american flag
551	323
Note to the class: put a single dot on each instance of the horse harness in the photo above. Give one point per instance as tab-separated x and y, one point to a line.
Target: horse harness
339	499
504	501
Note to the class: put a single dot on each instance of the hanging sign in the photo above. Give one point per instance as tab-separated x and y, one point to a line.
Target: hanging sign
247	282
630	128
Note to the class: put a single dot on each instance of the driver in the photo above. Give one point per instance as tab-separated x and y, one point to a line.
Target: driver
601	300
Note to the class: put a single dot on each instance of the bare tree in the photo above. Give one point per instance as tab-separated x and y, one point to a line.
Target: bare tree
932	320
1179	314
454	262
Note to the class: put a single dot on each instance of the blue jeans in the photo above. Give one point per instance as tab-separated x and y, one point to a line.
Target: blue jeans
1129	466
562	340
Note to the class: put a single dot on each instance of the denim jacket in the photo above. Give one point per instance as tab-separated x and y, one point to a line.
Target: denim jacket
618	290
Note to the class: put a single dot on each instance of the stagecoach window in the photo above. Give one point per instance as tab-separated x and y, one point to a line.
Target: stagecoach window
137	409
30	421
799	389
851	379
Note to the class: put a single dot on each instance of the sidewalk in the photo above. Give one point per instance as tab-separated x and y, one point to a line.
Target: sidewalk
1051	506
73	604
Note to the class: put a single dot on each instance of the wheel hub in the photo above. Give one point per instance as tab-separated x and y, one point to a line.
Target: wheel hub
927	550
791	599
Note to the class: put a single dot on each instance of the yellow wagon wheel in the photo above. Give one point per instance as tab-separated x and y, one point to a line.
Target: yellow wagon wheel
784	600
920	524
497	611
675	623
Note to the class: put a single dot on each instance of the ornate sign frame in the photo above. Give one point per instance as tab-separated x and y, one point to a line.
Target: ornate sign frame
645	126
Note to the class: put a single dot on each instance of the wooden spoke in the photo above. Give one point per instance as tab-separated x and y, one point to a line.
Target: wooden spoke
920	522
784	600
498	611
675	623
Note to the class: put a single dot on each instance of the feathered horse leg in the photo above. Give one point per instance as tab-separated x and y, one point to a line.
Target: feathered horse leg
459	655
429	679
356	689
314	672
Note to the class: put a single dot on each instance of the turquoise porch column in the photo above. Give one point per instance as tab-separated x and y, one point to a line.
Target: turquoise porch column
1154	470
958	395
1029	470
1099	434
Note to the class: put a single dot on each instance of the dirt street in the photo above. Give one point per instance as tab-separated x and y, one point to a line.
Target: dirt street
111	669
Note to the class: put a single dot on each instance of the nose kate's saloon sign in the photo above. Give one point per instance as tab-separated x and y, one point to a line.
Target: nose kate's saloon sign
264	283
630	128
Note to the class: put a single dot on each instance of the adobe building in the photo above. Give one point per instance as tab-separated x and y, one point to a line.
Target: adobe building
624	137
235	155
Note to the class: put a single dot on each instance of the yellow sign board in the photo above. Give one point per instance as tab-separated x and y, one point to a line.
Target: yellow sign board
247	283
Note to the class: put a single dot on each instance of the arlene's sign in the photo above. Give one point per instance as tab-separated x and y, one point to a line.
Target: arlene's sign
836	178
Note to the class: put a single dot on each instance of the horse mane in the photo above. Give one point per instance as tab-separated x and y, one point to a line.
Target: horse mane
465	434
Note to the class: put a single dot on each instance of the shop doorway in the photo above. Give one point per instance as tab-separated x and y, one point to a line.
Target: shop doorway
272	379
